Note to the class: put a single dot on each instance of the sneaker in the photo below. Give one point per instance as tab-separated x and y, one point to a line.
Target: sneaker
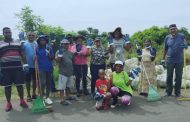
178	96
65	102
8	107
113	106
23	104
34	96
48	101
167	95
70	98
28	99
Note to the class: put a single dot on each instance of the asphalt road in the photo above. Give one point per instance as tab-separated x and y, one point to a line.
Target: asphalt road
166	110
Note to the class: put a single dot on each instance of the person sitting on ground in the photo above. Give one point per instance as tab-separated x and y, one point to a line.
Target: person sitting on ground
102	96
65	59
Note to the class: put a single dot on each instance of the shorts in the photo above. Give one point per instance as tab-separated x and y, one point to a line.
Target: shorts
64	82
12	76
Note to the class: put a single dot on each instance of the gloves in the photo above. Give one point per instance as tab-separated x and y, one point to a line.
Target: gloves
184	46
153	52
78	47
163	63
97	96
110	39
60	52
89	43
126	38
139	52
134	73
26	68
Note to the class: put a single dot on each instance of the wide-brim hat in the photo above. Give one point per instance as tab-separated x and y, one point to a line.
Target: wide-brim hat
42	36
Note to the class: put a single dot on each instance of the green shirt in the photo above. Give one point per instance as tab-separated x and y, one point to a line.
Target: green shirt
120	79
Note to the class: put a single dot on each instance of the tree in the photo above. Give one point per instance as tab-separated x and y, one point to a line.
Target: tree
56	33
1	37
90	30
83	32
28	21
95	32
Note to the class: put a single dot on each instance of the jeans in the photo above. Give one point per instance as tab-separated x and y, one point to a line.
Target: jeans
45	79
178	79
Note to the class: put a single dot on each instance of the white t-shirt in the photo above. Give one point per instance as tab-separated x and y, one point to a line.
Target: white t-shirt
119	49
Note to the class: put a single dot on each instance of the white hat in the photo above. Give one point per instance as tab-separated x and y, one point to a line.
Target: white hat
64	41
119	62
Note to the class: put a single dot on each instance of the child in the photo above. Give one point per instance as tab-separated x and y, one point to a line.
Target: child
65	60
121	85
45	56
102	96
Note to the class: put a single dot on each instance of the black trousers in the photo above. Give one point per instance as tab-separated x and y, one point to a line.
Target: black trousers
178	79
94	74
80	71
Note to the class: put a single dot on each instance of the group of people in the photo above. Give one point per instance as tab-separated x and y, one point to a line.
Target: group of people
21	62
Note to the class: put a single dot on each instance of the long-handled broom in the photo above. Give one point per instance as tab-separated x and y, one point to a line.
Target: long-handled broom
153	95
184	98
38	104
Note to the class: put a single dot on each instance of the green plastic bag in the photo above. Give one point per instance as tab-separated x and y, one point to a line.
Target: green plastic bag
153	95
38	106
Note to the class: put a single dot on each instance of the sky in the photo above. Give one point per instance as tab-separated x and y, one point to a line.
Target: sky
105	15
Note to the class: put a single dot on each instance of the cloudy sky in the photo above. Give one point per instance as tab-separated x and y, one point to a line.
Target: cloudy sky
106	15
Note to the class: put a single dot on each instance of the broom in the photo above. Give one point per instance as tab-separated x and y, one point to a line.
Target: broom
184	98
38	104
153	95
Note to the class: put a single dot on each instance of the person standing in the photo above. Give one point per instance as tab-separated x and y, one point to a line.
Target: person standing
11	57
98	61
146	58
45	55
80	64
52	83
119	43
29	52
65	59
174	45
